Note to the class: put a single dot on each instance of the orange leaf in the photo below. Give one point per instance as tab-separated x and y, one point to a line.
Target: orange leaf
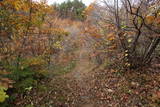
150	19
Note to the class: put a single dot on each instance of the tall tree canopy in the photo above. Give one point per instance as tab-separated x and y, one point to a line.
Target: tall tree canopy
71	9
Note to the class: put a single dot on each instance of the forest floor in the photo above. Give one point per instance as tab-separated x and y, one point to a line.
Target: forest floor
89	85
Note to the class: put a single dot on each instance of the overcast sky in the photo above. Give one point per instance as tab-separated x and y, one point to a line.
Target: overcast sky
87	2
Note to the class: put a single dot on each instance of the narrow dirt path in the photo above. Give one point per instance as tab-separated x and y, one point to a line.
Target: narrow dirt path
80	75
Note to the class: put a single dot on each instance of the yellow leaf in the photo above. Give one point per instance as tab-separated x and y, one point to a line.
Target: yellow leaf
129	40
111	37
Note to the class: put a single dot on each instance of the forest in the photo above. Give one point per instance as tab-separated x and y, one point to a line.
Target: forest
69	54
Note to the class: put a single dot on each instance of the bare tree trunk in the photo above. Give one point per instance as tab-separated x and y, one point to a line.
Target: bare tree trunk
26	33
127	15
151	49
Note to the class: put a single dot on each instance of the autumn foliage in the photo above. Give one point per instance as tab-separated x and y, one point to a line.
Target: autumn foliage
37	39
27	43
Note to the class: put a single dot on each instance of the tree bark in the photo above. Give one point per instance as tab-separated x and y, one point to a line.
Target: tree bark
151	49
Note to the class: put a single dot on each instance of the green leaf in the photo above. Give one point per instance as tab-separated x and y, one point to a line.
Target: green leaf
3	94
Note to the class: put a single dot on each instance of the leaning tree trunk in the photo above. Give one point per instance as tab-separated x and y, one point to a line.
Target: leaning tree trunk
147	56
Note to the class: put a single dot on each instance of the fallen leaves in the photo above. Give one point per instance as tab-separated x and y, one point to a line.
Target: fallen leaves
110	90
